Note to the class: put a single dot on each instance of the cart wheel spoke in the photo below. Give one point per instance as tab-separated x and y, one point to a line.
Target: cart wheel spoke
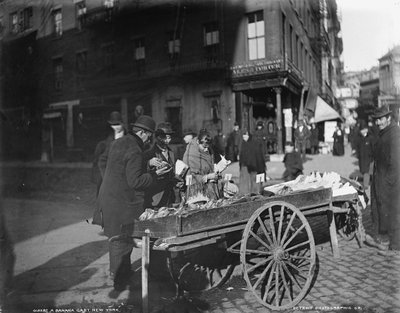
298	270
260	240
277	285
292	278
286	287
263	262
264	229
280	224
294	235
289	227
298	245
271	275
271	222
263	274
280	277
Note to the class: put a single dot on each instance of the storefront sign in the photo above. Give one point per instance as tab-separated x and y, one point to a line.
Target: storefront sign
255	68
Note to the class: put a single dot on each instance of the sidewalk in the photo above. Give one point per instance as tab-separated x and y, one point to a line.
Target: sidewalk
62	261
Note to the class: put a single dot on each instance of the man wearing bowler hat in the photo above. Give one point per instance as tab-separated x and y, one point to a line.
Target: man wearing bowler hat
121	194
161	192
188	135
100	157
385	189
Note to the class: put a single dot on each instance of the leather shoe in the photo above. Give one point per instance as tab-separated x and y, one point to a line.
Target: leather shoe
369	241
389	253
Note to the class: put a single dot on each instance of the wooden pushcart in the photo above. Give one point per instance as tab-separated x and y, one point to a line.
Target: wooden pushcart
269	236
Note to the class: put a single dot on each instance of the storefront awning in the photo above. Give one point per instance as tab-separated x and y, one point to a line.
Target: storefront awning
317	108
324	112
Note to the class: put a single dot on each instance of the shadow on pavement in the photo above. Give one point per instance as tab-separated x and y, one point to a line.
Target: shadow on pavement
59	274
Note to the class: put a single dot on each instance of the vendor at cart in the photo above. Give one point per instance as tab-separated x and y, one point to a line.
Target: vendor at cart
200	159
161	193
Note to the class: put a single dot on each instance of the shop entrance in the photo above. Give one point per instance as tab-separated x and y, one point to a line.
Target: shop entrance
265	113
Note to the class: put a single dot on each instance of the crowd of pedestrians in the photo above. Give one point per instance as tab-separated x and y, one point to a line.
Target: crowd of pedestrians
132	177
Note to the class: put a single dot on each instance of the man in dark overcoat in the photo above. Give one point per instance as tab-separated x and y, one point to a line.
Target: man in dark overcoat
233	144
161	193
363	146
385	195
121	194
301	136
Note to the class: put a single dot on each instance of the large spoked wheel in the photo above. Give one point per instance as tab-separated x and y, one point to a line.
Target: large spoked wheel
277	254
201	269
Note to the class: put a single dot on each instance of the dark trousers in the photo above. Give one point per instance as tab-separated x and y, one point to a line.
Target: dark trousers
120	259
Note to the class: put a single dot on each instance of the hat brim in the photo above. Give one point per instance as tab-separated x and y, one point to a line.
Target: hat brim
379	115
114	122
142	126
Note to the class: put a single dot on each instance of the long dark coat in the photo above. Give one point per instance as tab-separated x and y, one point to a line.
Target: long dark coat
338	143
233	144
364	146
385	193
121	195
251	163
161	193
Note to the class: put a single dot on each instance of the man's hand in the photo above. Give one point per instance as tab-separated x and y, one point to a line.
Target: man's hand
155	162
163	171
211	176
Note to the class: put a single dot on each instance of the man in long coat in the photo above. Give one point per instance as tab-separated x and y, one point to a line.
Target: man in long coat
301	136
121	194
385	195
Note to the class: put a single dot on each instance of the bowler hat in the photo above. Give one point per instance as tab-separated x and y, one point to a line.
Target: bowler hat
189	131
164	129
115	118
145	122
381	112
363	124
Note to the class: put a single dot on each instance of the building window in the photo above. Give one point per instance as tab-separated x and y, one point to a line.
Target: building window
1	25
211	42
174	43
25	19
81	67
140	55
58	73
301	53
140	52
14	27
80	12
110	4
173	114
256	36
21	21
211	34
108	58
57	20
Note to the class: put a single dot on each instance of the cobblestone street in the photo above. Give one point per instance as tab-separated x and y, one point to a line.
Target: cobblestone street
62	262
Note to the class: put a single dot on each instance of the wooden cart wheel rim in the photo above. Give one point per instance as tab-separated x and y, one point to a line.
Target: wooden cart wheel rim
243	250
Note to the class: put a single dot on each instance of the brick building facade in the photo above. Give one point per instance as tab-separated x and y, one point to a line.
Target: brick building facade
193	63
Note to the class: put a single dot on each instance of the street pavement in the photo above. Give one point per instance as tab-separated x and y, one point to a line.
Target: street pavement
62	264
